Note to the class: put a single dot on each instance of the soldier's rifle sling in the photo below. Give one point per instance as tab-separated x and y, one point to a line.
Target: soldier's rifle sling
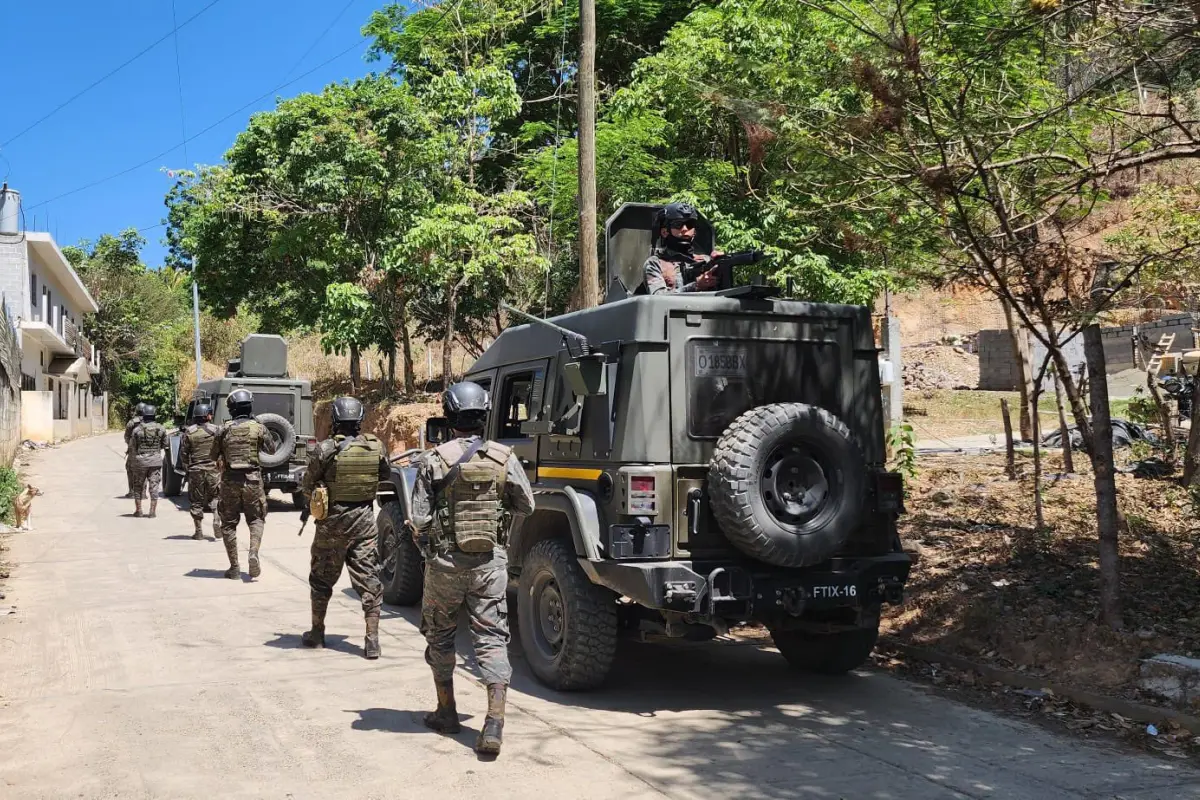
438	485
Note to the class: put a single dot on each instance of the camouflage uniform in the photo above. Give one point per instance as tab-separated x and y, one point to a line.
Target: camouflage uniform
668	271
347	536
454	579
129	470
146	444
241	491
197	454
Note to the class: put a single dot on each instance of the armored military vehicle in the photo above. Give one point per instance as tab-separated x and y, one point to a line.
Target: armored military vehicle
281	403
700	461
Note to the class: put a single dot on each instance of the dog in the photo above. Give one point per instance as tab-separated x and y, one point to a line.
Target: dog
23	507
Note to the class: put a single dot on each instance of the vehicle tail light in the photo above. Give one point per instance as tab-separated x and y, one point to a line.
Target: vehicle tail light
889	493
310	443
639	484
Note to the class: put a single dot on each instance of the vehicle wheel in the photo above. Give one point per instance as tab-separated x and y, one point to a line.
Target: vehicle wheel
568	624
826	653
787	484
298	500
401	568
172	481
285	440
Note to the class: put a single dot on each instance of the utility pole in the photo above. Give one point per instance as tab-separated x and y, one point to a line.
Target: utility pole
589	266
196	319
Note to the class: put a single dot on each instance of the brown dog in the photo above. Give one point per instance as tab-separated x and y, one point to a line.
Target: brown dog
23	506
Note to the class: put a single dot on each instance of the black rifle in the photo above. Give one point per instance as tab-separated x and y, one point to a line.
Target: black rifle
723	266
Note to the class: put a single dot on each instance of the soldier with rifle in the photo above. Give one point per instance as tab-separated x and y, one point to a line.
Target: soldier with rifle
349	466
465	495
674	266
237	446
133	422
198	456
147	441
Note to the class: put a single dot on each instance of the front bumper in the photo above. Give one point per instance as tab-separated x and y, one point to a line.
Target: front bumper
741	591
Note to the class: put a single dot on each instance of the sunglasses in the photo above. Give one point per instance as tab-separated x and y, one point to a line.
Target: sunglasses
687	224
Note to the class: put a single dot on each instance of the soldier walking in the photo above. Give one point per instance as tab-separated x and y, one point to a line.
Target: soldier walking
197	454
133	422
238	444
350	466
466	492
146	443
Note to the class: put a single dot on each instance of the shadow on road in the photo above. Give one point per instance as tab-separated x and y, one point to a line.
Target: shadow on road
333	641
205	573
396	721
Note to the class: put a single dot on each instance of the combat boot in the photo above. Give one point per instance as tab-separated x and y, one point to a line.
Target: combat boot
137	506
371	646
153	507
199	534
316	636
233	573
445	719
492	733
255	541
217	535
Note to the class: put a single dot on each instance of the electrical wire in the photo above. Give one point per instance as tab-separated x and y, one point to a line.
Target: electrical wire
562	57
174	31
198	134
450	4
179	84
317	41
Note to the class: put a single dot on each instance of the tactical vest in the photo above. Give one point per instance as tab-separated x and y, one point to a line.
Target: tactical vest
468	497
356	469
200	438
148	439
241	442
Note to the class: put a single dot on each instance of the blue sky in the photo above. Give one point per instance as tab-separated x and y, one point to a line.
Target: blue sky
231	54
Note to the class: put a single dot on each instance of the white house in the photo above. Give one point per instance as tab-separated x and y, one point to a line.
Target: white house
48	301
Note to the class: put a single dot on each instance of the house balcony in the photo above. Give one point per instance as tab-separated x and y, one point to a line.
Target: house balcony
63	340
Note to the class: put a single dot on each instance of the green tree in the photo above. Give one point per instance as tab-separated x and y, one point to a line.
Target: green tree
142	313
311	195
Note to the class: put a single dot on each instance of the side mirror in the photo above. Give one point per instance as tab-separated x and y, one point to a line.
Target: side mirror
179	420
437	430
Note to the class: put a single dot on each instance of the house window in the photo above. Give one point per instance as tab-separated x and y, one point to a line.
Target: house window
33	295
515	407
28	383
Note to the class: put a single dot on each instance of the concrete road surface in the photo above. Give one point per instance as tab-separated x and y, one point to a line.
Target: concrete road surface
132	669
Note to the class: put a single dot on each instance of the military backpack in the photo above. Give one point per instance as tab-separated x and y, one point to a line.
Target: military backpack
201	439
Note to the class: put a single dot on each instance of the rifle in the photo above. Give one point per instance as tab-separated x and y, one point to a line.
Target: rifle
723	266
304	515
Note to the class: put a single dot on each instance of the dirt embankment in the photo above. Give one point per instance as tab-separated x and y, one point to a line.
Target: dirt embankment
991	588
398	425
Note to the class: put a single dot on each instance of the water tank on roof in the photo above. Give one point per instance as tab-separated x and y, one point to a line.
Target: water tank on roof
264	356
10	210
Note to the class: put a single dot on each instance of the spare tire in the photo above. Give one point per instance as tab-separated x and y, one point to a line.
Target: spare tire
787	484
285	440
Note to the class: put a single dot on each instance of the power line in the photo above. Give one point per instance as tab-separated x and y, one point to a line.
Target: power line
179	84
450	4
174	31
198	134
317	41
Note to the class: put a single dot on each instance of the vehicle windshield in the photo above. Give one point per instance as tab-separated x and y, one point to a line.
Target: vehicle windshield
727	377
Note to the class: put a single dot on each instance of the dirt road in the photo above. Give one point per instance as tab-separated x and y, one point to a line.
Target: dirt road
132	669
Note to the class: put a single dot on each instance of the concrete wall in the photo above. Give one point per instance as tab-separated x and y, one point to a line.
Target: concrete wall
12	275
37	416
999	370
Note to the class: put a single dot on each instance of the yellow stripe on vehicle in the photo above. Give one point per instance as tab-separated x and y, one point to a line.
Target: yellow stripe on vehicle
569	473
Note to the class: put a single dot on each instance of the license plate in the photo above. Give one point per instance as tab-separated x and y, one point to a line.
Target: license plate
720	361
280	477
833	592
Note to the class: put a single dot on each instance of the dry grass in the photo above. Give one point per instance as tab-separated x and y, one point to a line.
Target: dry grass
990	587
